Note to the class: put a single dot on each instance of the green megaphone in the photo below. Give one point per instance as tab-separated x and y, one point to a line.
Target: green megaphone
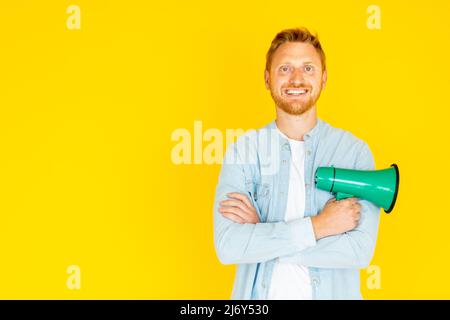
377	186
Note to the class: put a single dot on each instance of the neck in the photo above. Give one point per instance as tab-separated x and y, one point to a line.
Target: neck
295	126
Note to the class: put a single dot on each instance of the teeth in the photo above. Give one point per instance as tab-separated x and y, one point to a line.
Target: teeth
296	92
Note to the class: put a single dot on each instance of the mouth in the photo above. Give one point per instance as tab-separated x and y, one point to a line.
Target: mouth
295	92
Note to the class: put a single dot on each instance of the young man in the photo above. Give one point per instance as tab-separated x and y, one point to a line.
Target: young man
289	239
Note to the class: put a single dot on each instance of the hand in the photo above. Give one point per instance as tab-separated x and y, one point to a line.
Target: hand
239	209
337	217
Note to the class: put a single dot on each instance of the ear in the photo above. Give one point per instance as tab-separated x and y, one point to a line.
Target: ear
267	79
324	79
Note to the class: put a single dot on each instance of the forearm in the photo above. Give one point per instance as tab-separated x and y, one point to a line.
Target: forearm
252	243
348	250
353	249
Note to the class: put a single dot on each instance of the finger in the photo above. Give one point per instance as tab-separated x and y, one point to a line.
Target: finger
352	200
235	203
349	202
357	206
236	211
233	217
241	197
331	200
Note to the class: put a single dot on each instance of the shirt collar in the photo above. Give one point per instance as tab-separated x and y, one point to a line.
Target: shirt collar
311	133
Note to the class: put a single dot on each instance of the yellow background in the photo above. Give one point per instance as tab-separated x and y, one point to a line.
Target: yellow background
86	118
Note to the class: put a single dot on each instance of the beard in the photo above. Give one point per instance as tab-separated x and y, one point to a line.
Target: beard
295	106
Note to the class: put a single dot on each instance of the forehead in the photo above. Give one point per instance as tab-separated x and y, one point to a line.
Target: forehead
295	52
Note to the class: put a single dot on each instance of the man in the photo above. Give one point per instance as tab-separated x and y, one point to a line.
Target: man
289	239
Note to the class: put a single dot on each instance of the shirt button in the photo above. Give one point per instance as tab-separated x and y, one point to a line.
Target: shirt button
308	152
316	282
286	146
283	161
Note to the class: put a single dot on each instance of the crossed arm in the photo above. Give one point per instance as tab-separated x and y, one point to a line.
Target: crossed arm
240	237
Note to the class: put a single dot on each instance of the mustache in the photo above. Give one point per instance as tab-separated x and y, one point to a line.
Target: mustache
296	86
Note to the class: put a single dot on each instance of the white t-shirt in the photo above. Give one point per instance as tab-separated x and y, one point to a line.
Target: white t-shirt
291	281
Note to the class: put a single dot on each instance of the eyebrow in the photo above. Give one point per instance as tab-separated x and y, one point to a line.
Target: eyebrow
304	62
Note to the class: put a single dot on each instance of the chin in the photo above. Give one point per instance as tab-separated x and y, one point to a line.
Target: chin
295	108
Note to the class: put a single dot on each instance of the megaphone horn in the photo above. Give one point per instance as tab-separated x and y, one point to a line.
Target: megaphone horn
377	186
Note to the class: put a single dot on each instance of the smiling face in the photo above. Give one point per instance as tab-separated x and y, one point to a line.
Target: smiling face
296	78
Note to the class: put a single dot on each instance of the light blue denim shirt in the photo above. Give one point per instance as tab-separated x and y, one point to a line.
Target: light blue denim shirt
257	165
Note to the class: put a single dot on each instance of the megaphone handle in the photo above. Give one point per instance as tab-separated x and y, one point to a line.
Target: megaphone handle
341	196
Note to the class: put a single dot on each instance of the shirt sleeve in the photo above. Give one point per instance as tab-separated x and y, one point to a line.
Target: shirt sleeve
353	249
237	243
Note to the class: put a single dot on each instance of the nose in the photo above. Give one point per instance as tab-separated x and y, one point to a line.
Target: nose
297	77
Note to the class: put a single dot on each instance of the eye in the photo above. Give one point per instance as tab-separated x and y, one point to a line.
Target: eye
309	68
284	68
